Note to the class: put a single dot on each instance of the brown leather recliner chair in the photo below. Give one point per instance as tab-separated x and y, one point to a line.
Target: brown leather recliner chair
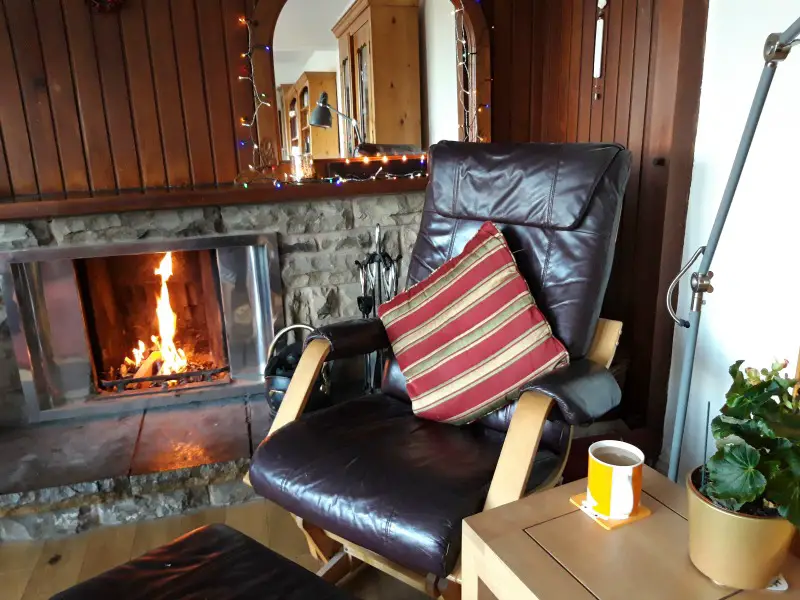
393	488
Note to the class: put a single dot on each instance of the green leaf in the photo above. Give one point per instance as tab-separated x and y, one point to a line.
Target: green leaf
784	491
738	384
733	474
752	375
750	430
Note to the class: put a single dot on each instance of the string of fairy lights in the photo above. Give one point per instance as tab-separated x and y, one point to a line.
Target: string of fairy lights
469	103
261	159
262	167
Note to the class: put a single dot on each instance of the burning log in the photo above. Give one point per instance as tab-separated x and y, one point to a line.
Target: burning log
146	370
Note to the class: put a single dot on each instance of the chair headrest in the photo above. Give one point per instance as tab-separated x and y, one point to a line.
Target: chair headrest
518	183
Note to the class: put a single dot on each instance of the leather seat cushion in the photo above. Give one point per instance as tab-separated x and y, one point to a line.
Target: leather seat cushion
371	472
212	562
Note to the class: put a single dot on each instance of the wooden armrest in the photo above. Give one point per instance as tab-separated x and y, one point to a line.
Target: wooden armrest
302	383
604	344
519	449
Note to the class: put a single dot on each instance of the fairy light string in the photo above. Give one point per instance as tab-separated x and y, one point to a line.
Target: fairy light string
469	103
262	156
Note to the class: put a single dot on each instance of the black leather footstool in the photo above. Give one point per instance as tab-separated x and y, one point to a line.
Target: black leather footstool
211	563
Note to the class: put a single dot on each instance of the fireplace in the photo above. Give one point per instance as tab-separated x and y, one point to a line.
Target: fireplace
153	321
104	329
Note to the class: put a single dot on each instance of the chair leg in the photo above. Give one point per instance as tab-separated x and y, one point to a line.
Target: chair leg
320	545
449	590
339	567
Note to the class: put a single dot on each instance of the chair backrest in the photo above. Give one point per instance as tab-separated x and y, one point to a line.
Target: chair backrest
558	206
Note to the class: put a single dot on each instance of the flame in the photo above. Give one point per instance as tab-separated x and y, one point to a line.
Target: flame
138	354
173	358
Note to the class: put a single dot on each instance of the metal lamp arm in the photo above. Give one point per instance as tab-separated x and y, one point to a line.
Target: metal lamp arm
352	121
776	49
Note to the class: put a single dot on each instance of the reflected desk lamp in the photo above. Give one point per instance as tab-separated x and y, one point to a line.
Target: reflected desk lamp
776	49
321	117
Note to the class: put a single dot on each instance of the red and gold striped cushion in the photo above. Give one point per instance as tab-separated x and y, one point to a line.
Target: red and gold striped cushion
470	335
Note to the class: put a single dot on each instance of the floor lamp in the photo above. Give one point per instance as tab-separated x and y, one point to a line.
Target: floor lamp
776	49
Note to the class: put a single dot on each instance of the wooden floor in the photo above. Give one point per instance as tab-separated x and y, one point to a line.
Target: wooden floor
37	570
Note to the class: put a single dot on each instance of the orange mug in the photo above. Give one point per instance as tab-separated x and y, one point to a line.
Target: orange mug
615	479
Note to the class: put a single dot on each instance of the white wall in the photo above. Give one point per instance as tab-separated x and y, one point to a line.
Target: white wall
440	82
754	312
303	35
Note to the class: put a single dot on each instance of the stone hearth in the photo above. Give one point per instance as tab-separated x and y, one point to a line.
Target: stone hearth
71	476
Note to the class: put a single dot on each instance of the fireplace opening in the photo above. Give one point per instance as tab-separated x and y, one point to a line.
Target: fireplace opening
153	321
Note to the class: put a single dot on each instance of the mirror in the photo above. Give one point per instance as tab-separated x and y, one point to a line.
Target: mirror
373	77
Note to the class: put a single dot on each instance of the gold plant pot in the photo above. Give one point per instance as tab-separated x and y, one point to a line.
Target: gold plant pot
734	550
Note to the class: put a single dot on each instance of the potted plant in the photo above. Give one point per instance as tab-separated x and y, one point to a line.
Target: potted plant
744	503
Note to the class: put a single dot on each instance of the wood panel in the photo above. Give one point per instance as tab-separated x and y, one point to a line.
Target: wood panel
143	96
22	27
187	50
91	110
168	92
218	97
19	161
645	99
55	54
116	100
93	104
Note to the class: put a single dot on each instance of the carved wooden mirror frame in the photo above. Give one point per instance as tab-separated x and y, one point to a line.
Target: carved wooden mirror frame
265	18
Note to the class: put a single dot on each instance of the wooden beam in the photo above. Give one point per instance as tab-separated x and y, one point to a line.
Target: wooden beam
222	196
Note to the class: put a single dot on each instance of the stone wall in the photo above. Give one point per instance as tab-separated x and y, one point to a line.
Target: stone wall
319	243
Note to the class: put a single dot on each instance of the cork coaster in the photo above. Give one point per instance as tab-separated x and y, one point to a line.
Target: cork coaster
642	513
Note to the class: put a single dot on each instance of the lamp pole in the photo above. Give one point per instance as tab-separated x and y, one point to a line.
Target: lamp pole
776	49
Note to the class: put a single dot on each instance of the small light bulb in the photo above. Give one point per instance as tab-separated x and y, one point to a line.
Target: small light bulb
385	159
366	160
255	146
405	158
242	20
347	161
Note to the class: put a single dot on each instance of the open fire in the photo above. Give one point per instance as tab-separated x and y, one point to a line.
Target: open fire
162	363
164	354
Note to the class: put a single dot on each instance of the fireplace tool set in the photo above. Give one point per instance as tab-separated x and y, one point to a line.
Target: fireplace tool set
379	274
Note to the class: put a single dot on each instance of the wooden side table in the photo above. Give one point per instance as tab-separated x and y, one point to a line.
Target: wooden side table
544	548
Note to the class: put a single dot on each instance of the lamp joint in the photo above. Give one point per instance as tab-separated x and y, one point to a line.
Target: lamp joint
774	51
701	285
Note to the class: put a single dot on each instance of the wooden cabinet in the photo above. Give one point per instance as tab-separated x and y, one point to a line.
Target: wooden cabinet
298	102
380	71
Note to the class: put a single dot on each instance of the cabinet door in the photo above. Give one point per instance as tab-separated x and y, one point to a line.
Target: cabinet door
347	98
362	55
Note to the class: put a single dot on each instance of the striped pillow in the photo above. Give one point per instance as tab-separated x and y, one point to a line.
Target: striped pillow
470	335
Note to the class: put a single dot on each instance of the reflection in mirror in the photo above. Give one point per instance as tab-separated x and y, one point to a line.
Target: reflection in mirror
368	77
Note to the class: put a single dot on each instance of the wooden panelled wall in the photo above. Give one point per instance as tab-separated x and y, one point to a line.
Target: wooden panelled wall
148	97
646	99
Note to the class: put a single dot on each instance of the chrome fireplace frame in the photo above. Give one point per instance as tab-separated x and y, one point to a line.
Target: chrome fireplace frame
50	337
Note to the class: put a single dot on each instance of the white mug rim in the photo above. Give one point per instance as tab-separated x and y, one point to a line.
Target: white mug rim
622	446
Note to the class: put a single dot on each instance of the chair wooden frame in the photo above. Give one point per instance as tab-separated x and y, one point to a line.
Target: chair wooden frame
508	482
